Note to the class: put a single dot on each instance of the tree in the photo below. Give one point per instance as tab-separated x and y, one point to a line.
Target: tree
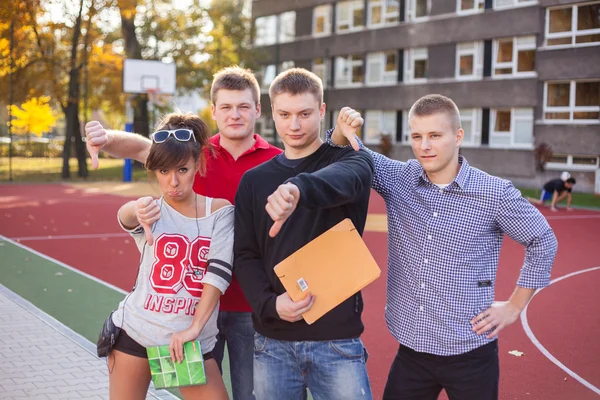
229	40
206	115
53	53
34	116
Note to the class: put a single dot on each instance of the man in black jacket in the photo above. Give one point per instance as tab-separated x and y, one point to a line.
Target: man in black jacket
554	191
281	206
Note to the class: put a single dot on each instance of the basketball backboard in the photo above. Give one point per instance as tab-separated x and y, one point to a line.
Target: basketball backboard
140	76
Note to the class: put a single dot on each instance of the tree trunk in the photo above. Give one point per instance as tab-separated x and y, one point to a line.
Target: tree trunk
66	174
73	139
133	49
72	108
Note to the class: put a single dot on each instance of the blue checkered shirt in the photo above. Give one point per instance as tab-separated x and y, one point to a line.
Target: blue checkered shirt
444	246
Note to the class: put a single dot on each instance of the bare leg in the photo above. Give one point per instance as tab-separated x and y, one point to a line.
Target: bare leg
129	376
214	388
535	201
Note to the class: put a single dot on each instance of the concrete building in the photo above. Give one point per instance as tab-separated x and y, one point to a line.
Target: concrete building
523	72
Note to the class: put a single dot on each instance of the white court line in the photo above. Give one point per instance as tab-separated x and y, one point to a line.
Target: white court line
69	237
37	253
542	349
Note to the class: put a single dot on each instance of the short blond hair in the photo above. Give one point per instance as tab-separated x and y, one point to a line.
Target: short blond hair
235	78
297	81
434	104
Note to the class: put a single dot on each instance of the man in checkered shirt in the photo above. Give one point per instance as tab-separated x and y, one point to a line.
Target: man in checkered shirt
446	223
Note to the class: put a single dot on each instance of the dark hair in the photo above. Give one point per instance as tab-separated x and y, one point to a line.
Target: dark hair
572	181
434	104
235	78
297	81
173	153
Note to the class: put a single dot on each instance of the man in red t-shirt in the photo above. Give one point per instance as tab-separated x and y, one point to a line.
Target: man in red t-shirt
235	96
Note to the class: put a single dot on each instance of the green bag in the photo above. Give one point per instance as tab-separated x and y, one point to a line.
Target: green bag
166	374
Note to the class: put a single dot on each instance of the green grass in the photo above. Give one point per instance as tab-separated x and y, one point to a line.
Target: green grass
43	169
579	199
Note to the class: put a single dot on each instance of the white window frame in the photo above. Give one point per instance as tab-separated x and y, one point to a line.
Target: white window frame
287	24
324	11
353	5
519	43
474	115
411	7
285	65
347	83
378	115
384	14
572	108
513	4
410	56
476	50
574	167
261	24
573	33
513	119
263	69
325	75
479	7
406	138
379	60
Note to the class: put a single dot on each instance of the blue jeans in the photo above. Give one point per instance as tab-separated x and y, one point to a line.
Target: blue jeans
237	330
332	370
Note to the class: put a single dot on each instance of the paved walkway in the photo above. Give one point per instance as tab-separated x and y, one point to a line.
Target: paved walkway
44	359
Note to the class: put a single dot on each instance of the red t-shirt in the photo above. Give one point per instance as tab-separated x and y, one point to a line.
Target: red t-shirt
222	178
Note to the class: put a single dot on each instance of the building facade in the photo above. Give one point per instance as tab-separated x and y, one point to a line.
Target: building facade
523	73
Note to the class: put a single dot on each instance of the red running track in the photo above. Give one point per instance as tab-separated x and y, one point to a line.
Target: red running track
564	317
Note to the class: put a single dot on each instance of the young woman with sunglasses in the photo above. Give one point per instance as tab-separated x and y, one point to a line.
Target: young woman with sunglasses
186	246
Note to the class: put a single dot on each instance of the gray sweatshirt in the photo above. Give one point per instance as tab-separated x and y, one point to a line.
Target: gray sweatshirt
187	253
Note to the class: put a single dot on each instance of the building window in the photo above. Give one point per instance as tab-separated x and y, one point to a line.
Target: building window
511	127
320	68
265	127
286	65
577	25
266	30
514	56
383	12
469	60
287	27
266	75
322	20
470	119
469	6
417	10
415	65
349	16
500	4
406	138
573	162
378	123
572	101
382	68
349	71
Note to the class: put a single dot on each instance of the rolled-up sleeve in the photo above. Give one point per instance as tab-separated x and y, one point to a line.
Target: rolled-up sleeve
522	222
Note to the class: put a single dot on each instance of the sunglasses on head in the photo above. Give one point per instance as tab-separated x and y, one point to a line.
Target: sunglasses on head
183	135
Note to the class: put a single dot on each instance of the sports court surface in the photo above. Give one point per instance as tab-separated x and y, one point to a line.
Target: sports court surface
62	250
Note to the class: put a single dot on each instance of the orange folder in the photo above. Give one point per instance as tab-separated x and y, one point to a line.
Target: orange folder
332	267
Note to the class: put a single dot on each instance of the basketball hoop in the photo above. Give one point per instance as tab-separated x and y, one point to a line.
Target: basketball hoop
153	94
